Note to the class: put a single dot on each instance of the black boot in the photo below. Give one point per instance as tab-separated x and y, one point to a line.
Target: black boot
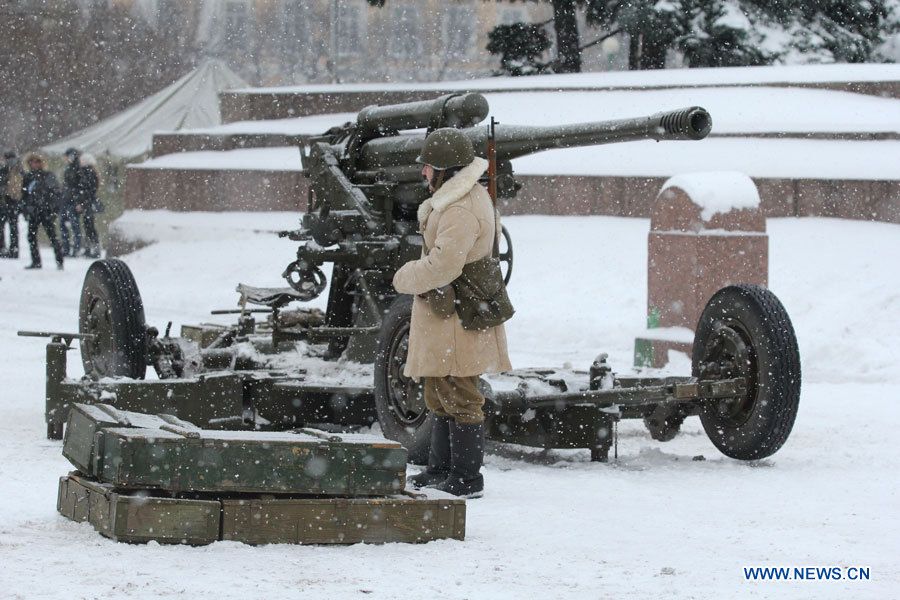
466	456
438	456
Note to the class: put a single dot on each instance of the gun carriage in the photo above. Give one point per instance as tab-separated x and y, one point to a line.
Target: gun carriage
344	365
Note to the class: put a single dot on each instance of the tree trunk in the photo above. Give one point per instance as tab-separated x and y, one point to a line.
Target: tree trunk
634	51
646	52
653	53
567	42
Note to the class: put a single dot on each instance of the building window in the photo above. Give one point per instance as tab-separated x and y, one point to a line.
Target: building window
296	28
513	15
350	30
458	30
406	38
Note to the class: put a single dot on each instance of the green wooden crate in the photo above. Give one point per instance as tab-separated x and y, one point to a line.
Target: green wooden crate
163	453
142	517
138	517
410	518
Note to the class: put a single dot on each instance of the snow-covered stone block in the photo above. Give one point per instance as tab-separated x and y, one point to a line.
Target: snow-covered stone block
706	232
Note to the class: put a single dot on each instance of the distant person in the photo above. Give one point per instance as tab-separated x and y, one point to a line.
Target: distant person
88	204
40	203
10	203
69	221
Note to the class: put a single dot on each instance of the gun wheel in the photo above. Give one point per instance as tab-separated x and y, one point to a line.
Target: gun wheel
745	331
111	309
400	401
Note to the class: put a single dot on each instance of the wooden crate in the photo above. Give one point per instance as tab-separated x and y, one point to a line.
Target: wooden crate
143	516
410	518
137	451
138	517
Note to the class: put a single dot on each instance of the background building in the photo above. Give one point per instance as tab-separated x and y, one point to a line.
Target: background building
77	61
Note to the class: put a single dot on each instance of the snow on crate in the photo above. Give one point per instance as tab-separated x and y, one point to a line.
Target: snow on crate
716	192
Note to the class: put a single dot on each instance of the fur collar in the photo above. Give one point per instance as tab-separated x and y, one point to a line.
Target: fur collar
454	189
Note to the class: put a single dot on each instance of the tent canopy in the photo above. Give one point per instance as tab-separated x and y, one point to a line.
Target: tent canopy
191	102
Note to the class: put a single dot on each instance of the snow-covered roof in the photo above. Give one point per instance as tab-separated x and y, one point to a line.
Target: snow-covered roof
787	111
721	76
191	102
284	158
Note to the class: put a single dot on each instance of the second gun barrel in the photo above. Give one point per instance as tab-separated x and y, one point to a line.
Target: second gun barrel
514	141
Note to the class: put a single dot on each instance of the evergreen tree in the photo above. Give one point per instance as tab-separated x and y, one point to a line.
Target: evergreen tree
847	30
519	46
712	33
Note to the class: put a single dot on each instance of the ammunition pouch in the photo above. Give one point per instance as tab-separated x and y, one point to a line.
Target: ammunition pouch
481	298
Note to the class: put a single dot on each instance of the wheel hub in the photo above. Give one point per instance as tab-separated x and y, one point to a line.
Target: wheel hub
729	355
405	395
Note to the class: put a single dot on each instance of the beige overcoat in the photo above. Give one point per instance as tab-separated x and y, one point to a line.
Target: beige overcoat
458	227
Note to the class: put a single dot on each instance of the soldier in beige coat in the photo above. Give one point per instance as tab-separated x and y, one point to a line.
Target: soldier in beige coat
458	225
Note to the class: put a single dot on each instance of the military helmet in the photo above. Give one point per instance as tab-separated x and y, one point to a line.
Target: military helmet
446	148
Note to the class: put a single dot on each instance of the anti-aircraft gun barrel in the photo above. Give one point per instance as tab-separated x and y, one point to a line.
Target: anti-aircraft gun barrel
514	141
452	110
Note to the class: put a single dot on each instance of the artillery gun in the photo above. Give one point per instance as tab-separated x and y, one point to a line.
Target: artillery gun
344	366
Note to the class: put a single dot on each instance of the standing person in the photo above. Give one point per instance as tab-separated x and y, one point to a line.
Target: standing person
459	226
40	201
68	215
10	199
88	203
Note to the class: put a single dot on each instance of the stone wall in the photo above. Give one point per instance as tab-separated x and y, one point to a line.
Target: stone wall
205	190
209	190
634	196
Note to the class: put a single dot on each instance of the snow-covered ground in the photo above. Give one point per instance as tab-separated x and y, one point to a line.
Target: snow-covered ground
654	524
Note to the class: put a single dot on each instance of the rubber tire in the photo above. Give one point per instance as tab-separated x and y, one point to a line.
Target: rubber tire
112	280
774	406
417	441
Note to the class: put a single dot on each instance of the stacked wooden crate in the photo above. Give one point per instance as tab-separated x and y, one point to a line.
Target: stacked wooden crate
146	477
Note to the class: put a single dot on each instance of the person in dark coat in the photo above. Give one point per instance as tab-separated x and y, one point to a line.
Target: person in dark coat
69	220
10	199
88	203
40	202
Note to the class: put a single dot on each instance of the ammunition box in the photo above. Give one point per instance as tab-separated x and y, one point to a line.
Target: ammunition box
141	516
412	518
138	517
153	452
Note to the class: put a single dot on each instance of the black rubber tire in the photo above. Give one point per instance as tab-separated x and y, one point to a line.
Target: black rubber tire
760	423
413	433
109	283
